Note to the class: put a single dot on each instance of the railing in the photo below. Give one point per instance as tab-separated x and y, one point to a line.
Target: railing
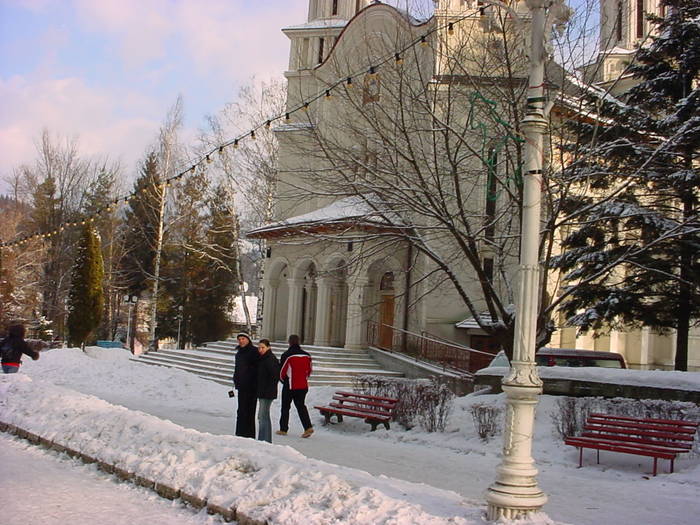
448	355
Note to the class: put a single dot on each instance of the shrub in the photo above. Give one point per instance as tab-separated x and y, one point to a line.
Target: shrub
487	420
426	402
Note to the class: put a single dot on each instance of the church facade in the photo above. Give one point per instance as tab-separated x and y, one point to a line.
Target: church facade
338	269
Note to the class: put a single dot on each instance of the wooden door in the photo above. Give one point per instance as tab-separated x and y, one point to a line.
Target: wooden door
386	317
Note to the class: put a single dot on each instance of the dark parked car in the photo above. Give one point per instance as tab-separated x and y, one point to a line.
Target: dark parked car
574	357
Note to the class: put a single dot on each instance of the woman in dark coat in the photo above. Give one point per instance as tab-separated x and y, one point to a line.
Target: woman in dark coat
12	348
245	380
268	377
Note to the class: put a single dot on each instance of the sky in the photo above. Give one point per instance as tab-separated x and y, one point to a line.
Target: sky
106	72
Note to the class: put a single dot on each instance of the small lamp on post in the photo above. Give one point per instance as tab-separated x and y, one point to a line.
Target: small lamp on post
179	323
130	301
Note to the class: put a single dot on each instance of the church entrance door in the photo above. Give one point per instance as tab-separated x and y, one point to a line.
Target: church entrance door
386	316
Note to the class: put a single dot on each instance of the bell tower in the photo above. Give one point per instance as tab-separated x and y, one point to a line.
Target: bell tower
623	27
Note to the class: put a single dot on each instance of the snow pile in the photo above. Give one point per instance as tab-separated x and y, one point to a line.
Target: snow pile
620	376
263	481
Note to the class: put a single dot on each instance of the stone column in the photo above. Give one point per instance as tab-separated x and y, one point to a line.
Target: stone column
323	312
296	290
269	307
354	332
310	312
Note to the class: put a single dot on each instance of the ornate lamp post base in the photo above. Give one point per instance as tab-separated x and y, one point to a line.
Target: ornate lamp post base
515	492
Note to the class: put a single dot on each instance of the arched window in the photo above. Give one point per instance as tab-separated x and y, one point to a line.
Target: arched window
387	282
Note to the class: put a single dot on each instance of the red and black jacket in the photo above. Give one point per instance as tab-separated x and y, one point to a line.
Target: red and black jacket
18	346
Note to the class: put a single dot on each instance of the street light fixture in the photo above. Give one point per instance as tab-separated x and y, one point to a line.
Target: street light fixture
131	301
515	492
179	323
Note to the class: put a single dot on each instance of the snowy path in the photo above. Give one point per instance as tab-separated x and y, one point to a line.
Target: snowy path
38	486
618	490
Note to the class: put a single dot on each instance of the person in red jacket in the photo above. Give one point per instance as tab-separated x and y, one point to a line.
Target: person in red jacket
12	348
295	372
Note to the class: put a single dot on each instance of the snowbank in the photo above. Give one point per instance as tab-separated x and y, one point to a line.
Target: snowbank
620	376
264	482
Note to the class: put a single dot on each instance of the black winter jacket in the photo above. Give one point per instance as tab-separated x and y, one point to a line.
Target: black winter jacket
268	376
18	347
245	375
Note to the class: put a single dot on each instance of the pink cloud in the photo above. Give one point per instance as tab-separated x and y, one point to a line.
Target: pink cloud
72	109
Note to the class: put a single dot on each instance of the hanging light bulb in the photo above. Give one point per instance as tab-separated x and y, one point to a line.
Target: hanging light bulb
450	29
287	117
398	59
372	71
328	94
221	149
208	159
423	41
348	82
252	134
267	124
235	143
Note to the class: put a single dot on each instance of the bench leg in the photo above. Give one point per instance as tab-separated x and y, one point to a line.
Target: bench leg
597	456
327	418
655	462
374	425
340	417
672	460
386	425
580	457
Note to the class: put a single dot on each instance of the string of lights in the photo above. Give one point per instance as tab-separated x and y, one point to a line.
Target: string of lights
326	93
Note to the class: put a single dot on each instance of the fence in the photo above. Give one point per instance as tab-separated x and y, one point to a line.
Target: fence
420	347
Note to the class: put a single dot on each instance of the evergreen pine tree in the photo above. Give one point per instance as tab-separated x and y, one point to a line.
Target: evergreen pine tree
211	319
140	228
635	253
86	297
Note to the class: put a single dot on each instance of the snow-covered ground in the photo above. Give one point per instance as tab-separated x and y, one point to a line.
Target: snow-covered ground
394	476
46	488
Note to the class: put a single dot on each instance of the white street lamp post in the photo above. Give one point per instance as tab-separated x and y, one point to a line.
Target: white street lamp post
515	492
179	322
130	300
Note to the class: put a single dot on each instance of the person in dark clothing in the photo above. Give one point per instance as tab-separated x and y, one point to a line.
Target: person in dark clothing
268	377
245	380
294	374
12	348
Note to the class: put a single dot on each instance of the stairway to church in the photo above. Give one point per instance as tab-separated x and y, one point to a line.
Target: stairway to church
214	361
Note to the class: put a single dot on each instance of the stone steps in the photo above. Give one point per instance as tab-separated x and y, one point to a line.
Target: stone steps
214	361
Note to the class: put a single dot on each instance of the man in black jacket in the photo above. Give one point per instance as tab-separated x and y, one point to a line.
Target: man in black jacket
245	380
12	348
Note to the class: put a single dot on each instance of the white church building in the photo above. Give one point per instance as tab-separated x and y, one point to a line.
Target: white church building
330	273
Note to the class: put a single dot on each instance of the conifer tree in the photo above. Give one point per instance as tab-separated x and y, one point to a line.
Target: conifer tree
140	228
633	259
86	296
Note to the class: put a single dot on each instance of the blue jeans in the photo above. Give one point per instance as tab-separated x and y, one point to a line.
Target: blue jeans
10	369
264	422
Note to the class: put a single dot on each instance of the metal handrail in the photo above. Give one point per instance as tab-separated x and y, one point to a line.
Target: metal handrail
452	356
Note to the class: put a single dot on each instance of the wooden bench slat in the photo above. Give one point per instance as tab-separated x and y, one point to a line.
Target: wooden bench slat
379	404
643	426
367	396
677	422
639	432
349	412
620	448
357	408
661	447
683	447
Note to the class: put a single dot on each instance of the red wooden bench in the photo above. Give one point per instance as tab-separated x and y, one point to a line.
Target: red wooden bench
373	409
655	438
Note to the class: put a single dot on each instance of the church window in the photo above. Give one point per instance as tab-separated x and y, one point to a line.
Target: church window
335	7
321	44
640	18
618	24
387	282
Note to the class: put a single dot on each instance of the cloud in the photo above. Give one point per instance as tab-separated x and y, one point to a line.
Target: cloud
69	107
